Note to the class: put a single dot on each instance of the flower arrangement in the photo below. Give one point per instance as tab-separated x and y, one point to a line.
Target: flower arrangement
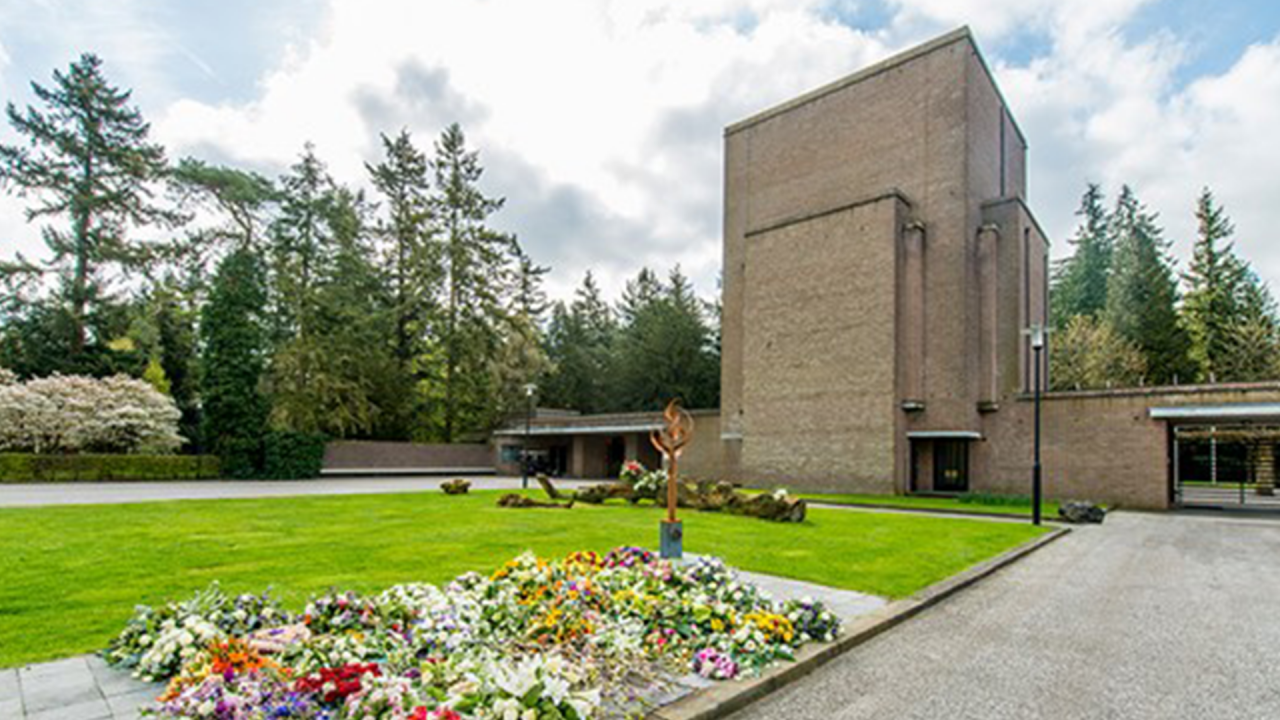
536	639
712	664
644	483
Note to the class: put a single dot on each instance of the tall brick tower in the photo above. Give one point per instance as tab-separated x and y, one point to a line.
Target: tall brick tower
880	264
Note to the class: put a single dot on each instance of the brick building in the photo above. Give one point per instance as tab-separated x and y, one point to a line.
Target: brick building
881	265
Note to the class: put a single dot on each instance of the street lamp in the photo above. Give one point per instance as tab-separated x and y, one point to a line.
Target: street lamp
529	390
1037	332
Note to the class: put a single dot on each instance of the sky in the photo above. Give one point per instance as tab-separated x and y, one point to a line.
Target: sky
601	121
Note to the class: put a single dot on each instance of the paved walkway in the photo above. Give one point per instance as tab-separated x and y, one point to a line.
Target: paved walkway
127	492
84	688
1148	616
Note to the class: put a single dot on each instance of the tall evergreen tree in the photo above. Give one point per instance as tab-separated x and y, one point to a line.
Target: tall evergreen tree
299	238
580	343
234	358
1080	281
1142	293
477	272
665	349
1212	304
89	161
329	377
411	255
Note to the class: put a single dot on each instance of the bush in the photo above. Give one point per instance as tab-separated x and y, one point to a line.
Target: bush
984	498
292	455
29	467
69	413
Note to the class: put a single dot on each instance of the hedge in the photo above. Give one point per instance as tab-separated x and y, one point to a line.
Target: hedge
292	455
29	467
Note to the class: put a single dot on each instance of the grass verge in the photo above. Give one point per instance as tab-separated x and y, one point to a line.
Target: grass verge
72	574
975	505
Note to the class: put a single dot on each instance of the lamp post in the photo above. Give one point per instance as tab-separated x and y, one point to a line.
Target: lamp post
529	390
1037	333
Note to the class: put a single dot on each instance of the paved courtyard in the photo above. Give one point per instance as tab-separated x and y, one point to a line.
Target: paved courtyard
1149	616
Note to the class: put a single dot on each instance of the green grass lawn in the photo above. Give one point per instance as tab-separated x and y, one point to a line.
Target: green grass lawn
72	574
987	505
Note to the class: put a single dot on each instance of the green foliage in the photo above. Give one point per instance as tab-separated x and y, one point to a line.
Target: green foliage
235	411
1088	354
30	467
88	161
665	349
580	342
1211	307
1142	294
478	266
292	455
1080	281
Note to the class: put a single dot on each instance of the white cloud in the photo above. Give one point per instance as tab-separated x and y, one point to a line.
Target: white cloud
601	120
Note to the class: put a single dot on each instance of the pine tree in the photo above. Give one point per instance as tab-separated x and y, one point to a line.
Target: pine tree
88	159
1211	307
665	346
1080	281
299	237
235	348
330	378
411	256
1142	294
477	281
580	342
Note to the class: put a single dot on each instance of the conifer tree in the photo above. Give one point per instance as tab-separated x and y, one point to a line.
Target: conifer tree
1080	281
665	346
580	344
1142	294
88	160
234	356
477	261
411	252
1211	306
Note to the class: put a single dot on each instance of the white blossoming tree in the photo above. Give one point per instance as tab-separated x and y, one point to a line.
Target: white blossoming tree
70	413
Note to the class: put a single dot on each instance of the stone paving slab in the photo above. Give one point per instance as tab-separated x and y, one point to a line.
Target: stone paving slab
85	688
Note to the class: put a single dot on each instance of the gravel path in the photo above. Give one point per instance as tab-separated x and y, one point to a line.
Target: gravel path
1149	616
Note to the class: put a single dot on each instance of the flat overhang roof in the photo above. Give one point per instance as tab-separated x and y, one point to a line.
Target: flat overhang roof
580	429
1237	411
944	435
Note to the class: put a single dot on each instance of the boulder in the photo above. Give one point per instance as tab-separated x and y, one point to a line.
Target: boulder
456	486
1081	512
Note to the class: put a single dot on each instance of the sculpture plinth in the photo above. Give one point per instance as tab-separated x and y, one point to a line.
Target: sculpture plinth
671	441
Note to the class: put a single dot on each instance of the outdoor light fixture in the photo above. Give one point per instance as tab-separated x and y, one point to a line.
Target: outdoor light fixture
1037	333
529	390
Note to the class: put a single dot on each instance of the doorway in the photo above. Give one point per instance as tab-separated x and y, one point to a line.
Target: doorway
950	466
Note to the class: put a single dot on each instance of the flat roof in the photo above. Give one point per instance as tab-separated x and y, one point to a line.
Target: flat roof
580	429
1233	411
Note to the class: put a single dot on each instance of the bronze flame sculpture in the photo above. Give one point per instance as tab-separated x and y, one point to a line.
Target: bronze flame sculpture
671	441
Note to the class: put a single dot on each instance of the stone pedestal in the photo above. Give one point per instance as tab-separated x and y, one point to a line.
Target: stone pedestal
1265	468
672	540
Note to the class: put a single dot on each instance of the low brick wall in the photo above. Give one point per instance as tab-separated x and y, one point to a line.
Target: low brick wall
350	455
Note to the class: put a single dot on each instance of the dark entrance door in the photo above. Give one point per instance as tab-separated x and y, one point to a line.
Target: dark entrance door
615	455
951	466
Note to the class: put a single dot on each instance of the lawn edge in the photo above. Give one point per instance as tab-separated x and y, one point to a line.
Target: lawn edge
946	512
720	700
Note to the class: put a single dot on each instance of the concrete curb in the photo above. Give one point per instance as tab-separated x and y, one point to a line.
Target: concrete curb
722	699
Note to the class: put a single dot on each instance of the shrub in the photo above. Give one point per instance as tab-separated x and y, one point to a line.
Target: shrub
27	467
70	413
291	455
